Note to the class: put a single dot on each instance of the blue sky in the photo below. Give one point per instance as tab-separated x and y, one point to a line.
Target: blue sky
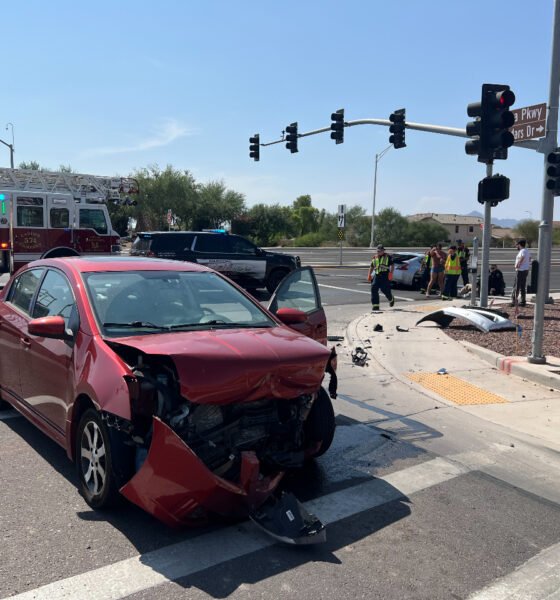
111	86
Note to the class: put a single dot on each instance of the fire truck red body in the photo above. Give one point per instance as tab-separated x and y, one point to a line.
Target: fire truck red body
49	214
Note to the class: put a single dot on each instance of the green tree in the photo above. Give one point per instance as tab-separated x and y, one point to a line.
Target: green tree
358	227
267	225
32	165
217	204
391	228
556	237
528	229
161	190
306	217
421	233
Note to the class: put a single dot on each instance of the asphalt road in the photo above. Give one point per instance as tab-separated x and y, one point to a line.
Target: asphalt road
419	504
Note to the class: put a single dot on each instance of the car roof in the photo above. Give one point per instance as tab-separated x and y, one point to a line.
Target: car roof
85	264
157	233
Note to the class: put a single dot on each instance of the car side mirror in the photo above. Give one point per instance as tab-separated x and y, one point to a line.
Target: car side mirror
291	316
260	252
49	327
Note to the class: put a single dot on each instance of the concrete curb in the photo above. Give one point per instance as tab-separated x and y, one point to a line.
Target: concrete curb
518	365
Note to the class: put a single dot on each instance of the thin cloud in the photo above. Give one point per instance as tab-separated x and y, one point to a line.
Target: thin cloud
170	131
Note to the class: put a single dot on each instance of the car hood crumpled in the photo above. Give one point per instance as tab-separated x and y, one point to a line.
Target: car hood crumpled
238	365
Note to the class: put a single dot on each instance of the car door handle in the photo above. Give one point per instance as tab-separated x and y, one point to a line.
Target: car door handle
25	342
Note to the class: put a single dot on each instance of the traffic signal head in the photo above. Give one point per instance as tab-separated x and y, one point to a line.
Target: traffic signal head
493	119
398	120
337	126
553	172
292	137
493	189
254	147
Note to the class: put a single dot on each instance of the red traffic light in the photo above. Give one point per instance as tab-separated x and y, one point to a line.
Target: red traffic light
505	98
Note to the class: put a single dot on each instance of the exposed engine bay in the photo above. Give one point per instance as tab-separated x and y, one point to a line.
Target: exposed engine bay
217	433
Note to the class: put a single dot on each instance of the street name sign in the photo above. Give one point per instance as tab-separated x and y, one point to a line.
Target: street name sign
530	122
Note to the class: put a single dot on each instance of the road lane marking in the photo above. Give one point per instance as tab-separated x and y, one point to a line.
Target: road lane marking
537	579
176	561
334	287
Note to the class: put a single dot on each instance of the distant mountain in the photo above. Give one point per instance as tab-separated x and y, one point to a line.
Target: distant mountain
509	223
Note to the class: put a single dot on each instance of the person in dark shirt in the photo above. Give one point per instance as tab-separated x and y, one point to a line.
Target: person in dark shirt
496	283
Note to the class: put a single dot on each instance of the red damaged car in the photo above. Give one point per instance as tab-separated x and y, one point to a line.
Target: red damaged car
168	384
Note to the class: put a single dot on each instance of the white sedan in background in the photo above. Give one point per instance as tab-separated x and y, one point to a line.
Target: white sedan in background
407	269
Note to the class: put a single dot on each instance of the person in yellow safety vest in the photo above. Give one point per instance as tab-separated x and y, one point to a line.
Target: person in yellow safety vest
452	273
381	274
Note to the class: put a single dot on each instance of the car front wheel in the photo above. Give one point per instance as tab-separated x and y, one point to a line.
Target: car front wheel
320	424
94	461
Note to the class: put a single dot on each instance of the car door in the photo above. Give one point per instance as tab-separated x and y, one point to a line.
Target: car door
248	261
300	290
14	316
46	373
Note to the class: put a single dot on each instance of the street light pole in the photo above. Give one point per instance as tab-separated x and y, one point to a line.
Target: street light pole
10	146
378	157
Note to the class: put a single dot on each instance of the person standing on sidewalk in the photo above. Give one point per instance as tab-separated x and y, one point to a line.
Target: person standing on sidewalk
437	275
452	272
381	274
426	270
522	264
464	254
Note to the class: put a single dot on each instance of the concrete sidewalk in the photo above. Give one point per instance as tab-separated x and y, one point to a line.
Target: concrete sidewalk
519	396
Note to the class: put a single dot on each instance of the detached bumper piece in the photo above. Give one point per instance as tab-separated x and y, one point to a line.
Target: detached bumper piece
287	520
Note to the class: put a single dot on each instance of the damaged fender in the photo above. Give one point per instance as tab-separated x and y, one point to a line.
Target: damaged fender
173	482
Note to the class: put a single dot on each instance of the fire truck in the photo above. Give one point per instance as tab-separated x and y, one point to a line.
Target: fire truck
46	214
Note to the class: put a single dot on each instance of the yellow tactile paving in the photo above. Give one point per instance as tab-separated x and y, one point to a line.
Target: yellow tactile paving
455	389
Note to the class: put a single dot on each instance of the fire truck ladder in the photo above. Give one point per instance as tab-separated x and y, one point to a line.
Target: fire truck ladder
88	188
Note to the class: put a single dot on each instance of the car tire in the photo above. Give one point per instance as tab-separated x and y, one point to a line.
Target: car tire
320	424
416	282
274	279
94	462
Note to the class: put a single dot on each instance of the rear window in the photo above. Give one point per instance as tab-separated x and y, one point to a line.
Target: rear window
400	258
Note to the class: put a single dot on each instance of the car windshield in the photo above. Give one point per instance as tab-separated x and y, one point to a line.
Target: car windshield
142	302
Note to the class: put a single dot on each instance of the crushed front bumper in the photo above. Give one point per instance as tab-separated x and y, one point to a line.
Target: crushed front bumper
176	487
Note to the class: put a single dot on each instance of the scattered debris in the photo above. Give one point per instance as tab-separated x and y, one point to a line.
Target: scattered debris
359	357
335	338
442	371
403	329
378	327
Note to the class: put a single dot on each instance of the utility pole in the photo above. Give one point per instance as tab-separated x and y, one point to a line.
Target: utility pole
10	146
378	157
548	144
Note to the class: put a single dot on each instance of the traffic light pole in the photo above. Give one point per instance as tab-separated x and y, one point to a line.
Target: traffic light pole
548	144
486	237
454	131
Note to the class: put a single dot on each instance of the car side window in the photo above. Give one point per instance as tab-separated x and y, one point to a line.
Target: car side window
297	291
24	289
212	242
54	298
239	245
